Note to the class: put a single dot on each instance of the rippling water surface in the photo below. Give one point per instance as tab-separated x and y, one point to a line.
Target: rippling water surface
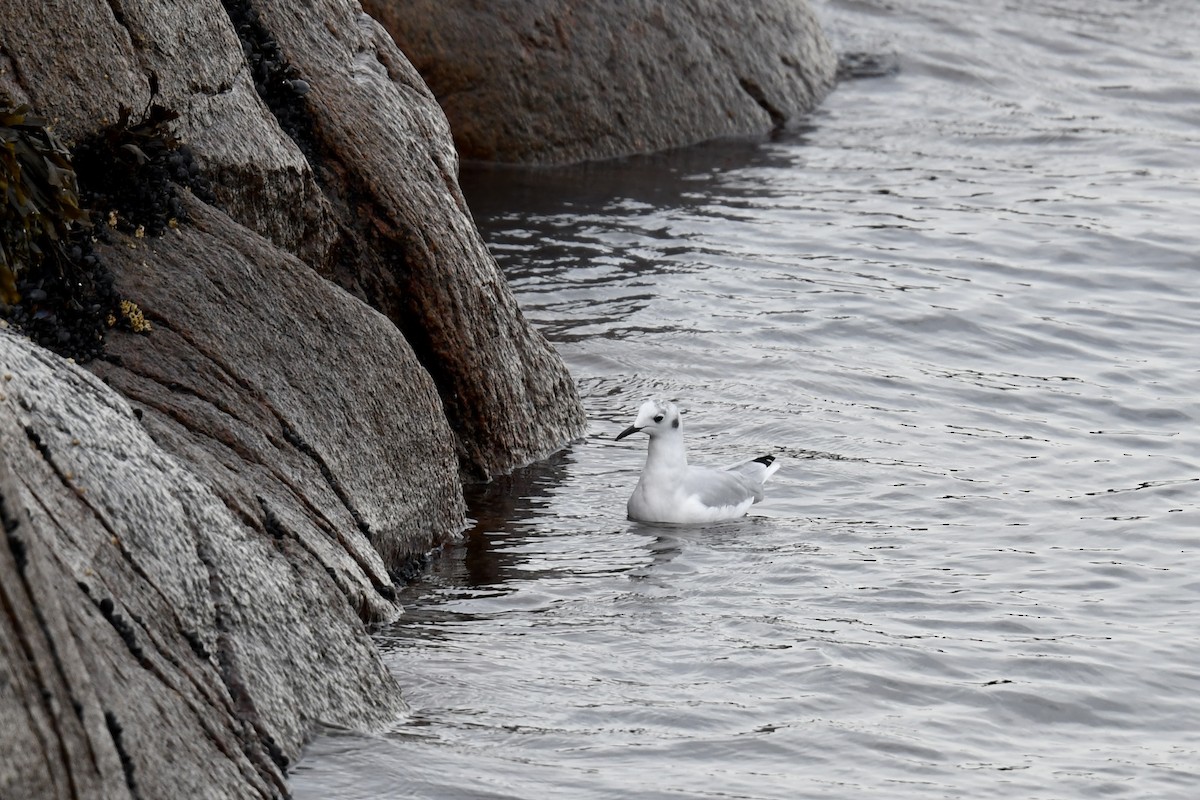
963	305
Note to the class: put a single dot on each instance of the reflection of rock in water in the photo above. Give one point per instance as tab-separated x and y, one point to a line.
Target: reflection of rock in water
503	508
662	180
856	66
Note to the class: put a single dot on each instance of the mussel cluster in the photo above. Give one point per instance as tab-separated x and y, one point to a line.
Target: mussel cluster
276	81
56	288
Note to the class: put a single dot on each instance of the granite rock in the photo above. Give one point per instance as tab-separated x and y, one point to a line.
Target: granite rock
557	81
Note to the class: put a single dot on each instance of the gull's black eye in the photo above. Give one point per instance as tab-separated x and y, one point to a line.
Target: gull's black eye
658	418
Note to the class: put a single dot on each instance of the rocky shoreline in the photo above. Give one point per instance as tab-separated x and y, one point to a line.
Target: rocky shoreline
201	523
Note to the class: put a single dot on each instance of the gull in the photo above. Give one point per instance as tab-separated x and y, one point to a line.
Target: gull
671	491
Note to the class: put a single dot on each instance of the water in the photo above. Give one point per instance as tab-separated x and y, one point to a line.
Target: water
963	305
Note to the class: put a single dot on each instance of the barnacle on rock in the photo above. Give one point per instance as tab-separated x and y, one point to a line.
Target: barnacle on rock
134	317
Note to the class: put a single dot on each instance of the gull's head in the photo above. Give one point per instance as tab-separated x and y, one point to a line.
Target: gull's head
655	417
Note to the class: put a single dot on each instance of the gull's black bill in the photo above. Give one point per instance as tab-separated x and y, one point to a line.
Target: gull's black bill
626	432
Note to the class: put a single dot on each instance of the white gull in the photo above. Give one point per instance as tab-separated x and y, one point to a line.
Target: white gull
671	491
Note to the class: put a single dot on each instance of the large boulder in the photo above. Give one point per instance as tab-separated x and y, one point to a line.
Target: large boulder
381	149
557	81
305	410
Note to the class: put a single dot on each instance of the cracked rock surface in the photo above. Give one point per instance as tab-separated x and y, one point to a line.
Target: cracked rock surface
290	409
152	642
558	81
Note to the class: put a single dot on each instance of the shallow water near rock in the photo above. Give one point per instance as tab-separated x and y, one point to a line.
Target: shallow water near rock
962	305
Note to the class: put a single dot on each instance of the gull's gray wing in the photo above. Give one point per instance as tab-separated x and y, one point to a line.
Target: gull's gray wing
721	487
757	470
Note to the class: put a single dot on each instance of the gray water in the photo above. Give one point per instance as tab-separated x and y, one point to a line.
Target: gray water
962	305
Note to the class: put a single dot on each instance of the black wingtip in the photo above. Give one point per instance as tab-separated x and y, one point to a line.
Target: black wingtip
766	461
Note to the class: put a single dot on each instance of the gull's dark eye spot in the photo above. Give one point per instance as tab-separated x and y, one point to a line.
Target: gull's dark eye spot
658	418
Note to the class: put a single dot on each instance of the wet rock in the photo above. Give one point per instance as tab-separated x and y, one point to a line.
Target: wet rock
551	81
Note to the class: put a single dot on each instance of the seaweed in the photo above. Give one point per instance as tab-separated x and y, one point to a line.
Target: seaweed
57	203
53	287
40	197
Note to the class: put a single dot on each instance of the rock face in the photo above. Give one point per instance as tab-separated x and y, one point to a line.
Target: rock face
407	245
306	411
153	642
357	177
558	81
199	528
